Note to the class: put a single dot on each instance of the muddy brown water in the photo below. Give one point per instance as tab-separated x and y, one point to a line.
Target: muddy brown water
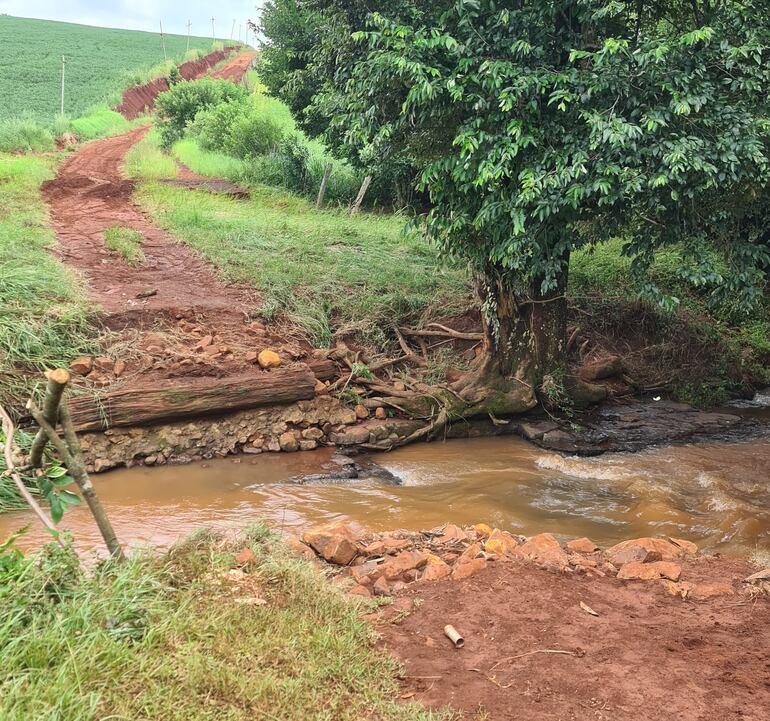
716	494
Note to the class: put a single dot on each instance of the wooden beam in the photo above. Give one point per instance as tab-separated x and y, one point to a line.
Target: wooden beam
190	397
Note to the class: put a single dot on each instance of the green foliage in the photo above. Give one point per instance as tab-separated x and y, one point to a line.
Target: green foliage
127	242
176	109
174	75
30	64
541	127
44	318
163	636
147	161
236	128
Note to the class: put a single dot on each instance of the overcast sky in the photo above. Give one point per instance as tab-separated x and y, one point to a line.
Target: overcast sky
141	14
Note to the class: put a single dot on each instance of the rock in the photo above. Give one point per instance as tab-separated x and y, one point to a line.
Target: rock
82	366
645	550
273	445
404	561
320	387
366	573
758	577
689	548
204	342
307	445
399	386
251	356
698	591
245	556
482	530
351	436
500	543
381	587
288	442
545	550
469	553
335	543
637	570
120	368
361	412
465	570
381	413
268	359
150	460
452	533
313	434
359	590
581	561
300	548
435	569
256	328
582	545
601	368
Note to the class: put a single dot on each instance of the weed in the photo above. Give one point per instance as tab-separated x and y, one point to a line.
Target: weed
127	242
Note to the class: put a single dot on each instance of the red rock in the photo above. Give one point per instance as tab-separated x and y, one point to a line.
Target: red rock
104	364
644	550
577	560
483	530
465	570
120	368
82	366
300	548
452	533
404	561
582	545
500	543
361	412
359	590
381	587
245	556
366	573
204	342
636	570
251	356
688	547
320	387
435	569
268	359
335	543
469	553
698	591
545	550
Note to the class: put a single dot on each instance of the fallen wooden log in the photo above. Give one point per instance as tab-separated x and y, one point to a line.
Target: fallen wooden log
190	397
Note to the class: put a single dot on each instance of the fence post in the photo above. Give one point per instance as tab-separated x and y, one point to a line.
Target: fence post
361	194
324	181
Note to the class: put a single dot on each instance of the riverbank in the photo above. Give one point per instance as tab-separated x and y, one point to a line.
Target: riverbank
235	625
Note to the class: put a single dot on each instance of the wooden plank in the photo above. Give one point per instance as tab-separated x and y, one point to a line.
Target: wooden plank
190	397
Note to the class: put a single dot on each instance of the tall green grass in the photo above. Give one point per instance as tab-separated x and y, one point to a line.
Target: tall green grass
44	317
177	636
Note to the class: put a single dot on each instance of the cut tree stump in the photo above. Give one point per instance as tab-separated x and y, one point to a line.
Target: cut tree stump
185	398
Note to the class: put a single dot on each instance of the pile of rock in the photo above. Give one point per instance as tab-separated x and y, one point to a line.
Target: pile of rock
383	564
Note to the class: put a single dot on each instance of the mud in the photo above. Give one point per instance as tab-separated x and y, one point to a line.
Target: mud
646	656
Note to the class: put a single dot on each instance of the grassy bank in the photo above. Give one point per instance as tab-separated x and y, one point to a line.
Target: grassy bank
187	635
44	317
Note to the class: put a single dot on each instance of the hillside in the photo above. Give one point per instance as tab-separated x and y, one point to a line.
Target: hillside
100	61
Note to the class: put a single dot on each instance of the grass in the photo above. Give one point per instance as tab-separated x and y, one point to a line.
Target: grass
146	161
99	63
126	242
321	270
44	317
180	636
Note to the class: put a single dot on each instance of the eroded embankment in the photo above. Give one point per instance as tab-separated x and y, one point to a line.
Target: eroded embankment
140	99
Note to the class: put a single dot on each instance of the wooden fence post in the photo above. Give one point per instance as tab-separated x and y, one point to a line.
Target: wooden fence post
361	194
324	182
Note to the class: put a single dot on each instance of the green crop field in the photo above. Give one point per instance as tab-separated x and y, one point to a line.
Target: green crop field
99	63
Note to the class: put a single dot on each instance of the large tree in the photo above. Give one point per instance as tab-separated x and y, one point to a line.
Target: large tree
542	125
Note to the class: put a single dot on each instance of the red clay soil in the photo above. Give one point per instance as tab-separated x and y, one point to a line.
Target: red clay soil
140	99
236	68
172	304
647	656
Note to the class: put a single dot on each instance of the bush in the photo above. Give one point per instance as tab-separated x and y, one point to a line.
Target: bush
238	129
293	158
24	134
177	108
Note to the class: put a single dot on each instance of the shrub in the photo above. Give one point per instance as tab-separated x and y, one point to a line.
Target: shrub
177	108
238	129
293	157
24	134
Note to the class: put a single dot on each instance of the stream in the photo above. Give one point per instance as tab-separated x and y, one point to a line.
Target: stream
716	493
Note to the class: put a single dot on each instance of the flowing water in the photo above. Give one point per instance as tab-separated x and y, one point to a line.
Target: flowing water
716	494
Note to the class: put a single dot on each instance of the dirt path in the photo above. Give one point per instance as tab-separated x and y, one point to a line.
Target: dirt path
173	303
236	68
647	655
